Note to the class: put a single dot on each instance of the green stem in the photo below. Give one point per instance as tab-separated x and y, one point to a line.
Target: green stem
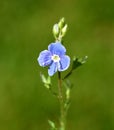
61	100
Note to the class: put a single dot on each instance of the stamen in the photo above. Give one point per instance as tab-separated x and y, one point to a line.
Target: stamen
55	58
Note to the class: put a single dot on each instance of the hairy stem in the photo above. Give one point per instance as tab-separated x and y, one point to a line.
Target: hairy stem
61	100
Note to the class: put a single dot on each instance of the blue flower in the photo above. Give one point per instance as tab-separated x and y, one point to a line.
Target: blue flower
55	57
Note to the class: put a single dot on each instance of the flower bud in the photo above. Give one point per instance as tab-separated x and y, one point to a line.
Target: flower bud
64	30
61	23
56	30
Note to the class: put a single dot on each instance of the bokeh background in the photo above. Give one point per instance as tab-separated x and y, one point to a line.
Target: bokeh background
25	30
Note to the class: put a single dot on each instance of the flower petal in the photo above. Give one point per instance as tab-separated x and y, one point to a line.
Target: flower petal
57	48
64	63
44	58
52	69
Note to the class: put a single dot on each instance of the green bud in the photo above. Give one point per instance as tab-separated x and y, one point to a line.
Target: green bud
61	23
56	30
64	30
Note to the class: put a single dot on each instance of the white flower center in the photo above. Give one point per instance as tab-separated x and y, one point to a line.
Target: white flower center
55	58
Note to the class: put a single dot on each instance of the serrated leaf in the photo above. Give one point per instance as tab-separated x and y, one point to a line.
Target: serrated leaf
76	63
83	60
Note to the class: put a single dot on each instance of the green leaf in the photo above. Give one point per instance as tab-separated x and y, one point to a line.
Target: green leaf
52	124
75	64
43	78
78	62
46	81
49	80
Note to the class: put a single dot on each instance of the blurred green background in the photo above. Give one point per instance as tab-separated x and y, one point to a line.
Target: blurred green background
25	30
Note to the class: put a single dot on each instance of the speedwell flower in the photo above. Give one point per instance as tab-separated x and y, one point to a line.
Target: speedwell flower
55	57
